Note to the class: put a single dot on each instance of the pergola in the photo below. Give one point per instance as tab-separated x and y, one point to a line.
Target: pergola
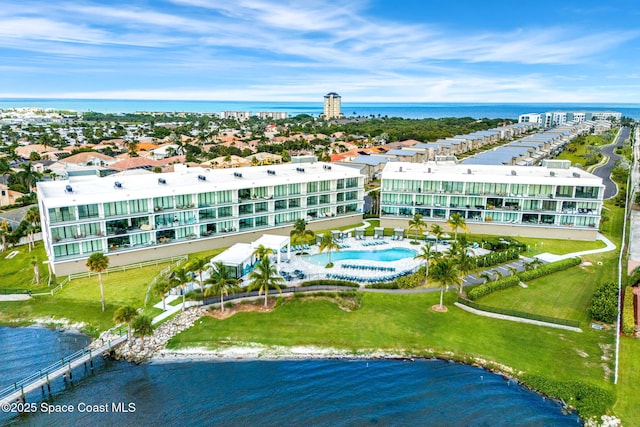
378	233
359	233
336	234
398	233
275	243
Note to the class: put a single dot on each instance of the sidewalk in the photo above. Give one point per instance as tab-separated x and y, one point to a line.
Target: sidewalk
547	257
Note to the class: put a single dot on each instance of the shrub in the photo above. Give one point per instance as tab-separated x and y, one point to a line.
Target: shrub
628	320
329	282
499	257
545	269
604	304
587	399
487	288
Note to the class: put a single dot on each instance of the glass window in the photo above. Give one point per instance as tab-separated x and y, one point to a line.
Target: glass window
312	200
324	185
280	190
564	191
587	192
224	196
261	207
340	184
280	205
91	246
66	250
206	214
225	212
88	211
184	201
160	203
312	187
139	206
294	189
294	203
246	209
90	229
324	199
115	209
262	221
206	199
351	182
536	190
518	189
67	213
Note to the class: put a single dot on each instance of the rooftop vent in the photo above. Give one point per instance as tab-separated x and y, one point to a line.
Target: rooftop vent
400	169
202	178
300	170
117	185
237	174
162	181
468	171
327	167
576	175
271	172
428	170
68	189
552	173
514	173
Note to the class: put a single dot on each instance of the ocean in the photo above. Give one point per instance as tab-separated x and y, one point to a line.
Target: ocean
267	393
350	109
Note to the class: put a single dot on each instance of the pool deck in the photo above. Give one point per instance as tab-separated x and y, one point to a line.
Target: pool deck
315	272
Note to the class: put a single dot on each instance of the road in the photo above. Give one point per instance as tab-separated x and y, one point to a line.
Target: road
604	171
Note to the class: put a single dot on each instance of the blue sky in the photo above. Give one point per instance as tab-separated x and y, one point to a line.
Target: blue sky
395	51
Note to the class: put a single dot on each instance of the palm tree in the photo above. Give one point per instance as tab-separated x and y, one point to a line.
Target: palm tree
455	222
465	264
436	230
300	234
4	230
445	272
262	252
222	283
180	277
417	224
32	217
328	244
198	266
266	277
126	315
97	263
161	288
36	271
142	325
485	276
428	257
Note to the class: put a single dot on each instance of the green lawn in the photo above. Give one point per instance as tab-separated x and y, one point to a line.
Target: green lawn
406	323
566	294
629	382
17	272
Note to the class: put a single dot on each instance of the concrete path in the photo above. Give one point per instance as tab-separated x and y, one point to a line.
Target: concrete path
547	257
14	297
515	319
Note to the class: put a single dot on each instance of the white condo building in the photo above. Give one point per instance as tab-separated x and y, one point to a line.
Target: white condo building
559	118
143	217
552	201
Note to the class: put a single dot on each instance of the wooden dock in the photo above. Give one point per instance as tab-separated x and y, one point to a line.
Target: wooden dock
63	368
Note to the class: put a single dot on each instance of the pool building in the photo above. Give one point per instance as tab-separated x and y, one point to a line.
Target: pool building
550	201
137	218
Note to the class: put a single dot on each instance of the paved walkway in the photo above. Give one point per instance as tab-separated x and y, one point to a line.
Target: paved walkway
547	257
14	297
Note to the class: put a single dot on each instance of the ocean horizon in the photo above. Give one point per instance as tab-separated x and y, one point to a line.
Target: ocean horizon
412	110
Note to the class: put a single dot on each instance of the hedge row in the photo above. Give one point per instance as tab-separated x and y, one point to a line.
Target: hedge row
628	321
328	282
545	269
604	304
588	400
487	288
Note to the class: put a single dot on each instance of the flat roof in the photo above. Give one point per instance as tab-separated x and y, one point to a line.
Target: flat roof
490	173
95	189
271	241
236	255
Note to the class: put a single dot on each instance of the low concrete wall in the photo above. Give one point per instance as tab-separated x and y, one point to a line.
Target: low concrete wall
149	253
567	233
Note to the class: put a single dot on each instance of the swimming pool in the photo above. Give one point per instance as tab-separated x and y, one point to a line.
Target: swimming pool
384	255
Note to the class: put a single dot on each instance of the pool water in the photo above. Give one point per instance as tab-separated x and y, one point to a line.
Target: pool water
384	255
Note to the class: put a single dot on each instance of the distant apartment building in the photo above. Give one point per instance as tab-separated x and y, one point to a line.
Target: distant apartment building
237	115
559	118
550	201
275	115
144	217
332	106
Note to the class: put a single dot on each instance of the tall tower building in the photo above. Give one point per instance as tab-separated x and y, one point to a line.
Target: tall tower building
332	105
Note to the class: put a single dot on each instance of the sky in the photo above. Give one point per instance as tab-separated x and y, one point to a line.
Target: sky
366	50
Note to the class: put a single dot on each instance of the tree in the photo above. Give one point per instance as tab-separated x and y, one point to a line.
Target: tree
445	272
464	262
300	234
328	244
455	222
4	230
161	287
125	314
198	266
97	263
265	277
221	283
436	230
142	325
32	217
417	224
262	252
427	256
36	271
180	277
